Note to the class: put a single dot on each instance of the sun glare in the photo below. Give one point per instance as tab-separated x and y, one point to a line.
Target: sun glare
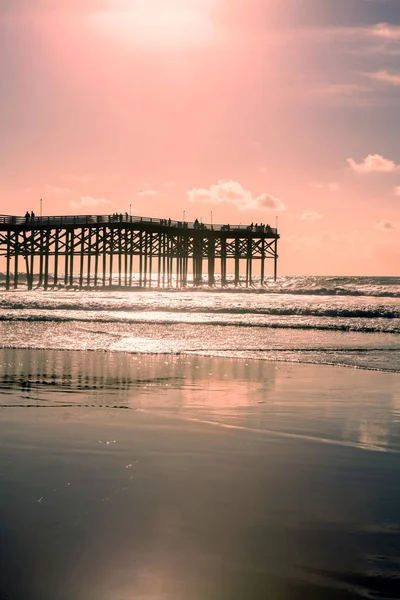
158	21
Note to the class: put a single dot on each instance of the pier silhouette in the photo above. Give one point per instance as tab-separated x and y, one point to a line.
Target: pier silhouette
163	252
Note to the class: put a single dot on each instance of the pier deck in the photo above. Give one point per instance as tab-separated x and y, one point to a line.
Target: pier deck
94	250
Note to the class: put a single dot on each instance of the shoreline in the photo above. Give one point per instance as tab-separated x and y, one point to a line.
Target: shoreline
223	355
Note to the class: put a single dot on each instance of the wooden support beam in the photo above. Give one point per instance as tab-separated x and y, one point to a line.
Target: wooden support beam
237	262
126	257
111	259
150	258
159	242
71	257
119	257
8	260
66	268
46	259
56	257
141	259
26	255
131	236
263	261
276	260
211	262
164	243
32	261
104	274
41	257
223	262
89	257
96	256
82	257
16	257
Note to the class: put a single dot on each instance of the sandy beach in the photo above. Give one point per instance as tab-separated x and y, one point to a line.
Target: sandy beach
189	477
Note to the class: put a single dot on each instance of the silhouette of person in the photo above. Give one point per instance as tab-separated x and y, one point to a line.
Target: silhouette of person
32	216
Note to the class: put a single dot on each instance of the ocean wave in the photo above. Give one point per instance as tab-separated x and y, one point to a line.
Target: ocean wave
386	326
270	290
374	287
99	307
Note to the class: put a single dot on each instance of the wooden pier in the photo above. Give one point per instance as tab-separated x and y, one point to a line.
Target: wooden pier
127	251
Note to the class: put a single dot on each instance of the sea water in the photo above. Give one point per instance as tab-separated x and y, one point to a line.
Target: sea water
351	321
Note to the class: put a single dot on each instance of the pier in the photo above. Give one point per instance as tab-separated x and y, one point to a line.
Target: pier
126	251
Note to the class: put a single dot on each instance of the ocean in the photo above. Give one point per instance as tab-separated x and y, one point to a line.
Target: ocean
350	321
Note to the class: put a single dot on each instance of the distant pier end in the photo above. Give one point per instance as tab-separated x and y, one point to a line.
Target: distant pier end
127	251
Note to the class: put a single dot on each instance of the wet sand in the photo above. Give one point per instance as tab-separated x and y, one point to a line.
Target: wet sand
191	478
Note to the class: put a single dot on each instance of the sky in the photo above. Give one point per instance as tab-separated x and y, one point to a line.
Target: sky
237	111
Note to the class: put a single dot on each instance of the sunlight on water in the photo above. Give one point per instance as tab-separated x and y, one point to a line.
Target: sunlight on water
323	320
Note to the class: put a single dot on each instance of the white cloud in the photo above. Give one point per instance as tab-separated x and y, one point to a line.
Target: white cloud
57	190
342	94
386	31
385	225
312	215
232	192
330	187
147	193
88	201
385	76
373	163
270	202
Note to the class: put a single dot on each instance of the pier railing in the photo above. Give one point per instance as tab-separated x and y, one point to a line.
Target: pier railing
82	220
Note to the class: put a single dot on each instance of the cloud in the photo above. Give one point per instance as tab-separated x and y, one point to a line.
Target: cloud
330	187
397	190
312	215
386	31
57	190
232	192
342	94
270	202
373	163
147	193
385	76
88	201
385	225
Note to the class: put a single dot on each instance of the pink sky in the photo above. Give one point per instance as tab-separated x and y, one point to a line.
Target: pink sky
250	109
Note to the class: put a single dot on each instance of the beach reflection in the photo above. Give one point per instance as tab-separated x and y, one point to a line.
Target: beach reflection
303	400
188	478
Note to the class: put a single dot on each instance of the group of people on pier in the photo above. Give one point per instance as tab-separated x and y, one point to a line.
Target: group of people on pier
198	225
259	227
125	217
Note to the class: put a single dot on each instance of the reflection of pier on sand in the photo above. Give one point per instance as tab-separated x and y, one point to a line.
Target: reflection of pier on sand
269	397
